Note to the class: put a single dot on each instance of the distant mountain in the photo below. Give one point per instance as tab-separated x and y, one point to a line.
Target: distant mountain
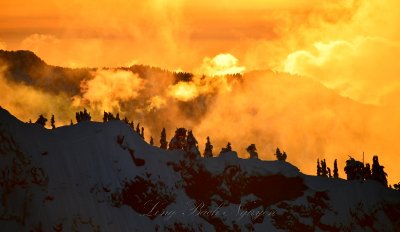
104	177
26	67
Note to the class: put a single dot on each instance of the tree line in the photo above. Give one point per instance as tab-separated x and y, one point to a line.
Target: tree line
184	140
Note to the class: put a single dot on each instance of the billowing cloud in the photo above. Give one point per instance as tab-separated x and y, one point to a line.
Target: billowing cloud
38	42
221	64
155	103
184	91
364	69
27	102
108	89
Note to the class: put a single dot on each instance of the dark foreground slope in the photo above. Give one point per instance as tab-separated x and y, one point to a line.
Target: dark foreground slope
105	177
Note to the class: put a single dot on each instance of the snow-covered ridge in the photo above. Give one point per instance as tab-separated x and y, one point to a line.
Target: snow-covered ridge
104	177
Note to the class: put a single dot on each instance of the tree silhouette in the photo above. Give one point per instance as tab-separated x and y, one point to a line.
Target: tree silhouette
228	148
138	128
397	186
378	173
329	173
183	76
41	120
318	168
82	116
367	172
105	116
178	142
71	123
151	141
208	149
284	156
108	116
279	155
324	171
335	169
142	133
52	121
163	140
354	169
252	150
132	125
192	149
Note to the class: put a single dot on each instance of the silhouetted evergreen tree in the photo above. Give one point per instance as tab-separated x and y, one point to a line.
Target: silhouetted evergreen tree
279	155
178	142
378	173
110	117
151	141
82	116
71	123
183	76
329	173
208	151
142	133
117	117
228	148
132	125
52	121
354	169
324	171
318	168
138	128
41	120
105	116
335	170
126	120
163	140
192	149
397	186
252	150
367	172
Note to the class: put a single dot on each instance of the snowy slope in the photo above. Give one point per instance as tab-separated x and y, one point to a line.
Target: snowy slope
104	177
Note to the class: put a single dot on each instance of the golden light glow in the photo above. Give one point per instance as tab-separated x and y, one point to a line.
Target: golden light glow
184	91
331	88
221	64
107	89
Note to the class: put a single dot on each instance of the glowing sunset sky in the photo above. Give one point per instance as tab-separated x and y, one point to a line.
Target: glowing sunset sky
261	34
352	47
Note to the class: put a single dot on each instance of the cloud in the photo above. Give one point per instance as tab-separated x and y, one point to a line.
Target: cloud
38	42
363	69
27	103
155	103
302	117
221	64
184	91
108	89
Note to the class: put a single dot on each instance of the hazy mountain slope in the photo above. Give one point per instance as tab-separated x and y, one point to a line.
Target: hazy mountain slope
27	68
105	177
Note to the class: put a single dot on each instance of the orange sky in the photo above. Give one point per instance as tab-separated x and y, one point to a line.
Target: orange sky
165	33
349	46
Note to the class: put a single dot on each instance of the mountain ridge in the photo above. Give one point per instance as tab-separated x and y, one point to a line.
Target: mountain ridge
103	176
